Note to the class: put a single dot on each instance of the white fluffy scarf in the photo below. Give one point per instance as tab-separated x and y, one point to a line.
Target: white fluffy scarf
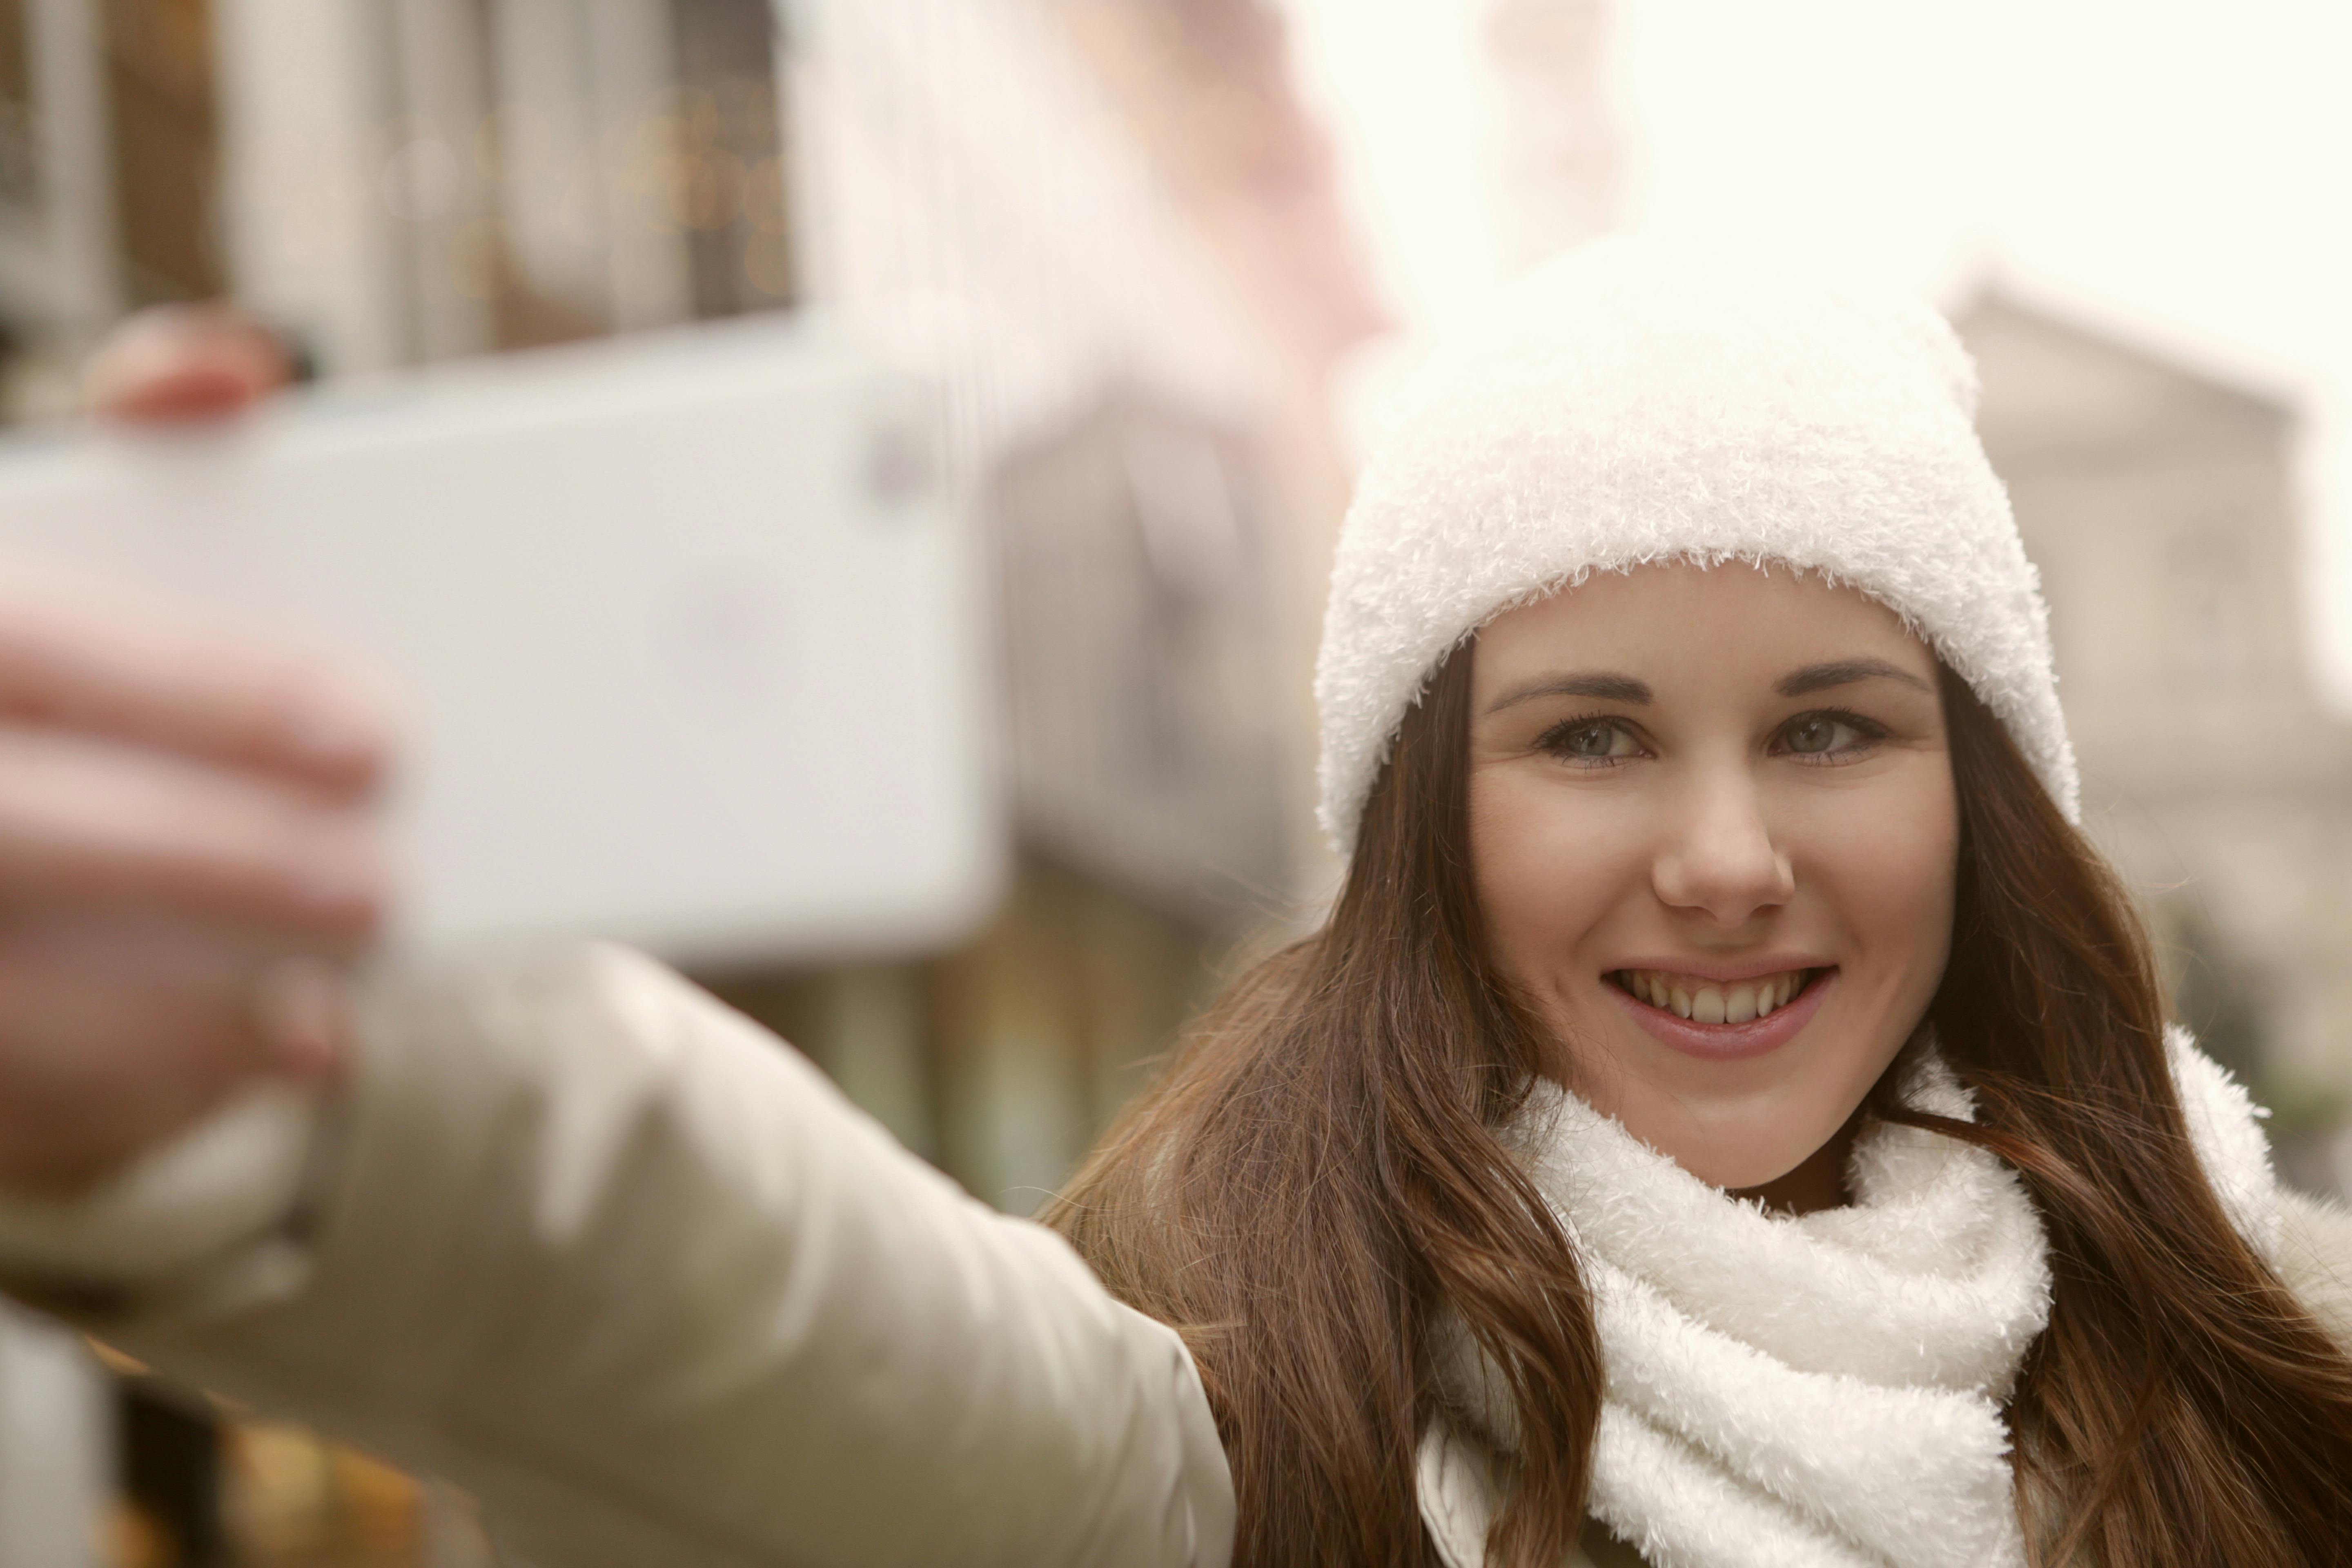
1822	1391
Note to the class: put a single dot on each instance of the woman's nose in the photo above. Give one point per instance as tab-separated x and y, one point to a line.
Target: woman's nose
1719	857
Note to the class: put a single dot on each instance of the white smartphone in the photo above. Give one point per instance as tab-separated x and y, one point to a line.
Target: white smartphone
688	629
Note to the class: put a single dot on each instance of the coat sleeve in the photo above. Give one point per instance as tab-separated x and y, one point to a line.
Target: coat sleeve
618	1262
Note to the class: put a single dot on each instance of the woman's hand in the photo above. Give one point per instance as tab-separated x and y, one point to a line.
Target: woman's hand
187	852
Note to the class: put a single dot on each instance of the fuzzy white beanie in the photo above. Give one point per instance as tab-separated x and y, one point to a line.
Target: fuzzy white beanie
1632	402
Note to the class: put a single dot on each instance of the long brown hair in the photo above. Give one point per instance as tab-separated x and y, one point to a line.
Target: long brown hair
1316	1172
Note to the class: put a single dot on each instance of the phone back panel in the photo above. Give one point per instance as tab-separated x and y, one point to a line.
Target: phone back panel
688	637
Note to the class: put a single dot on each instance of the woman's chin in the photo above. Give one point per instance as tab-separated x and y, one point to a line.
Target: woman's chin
1740	1148
1741	1171
1740	1125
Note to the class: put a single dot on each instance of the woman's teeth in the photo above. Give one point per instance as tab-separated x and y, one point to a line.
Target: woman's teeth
1710	1001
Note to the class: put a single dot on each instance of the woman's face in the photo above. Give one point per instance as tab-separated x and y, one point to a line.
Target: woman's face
1713	834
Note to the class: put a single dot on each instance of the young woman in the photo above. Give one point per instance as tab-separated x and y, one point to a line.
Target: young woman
1727	1118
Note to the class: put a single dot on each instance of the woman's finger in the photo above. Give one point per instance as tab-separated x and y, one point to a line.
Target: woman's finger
178	362
111	660
88	824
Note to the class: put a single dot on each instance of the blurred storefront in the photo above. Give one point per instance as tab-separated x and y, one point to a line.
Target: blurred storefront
1106	231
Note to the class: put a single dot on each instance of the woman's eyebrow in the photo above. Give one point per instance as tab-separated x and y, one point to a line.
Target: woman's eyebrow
1605	687
1844	672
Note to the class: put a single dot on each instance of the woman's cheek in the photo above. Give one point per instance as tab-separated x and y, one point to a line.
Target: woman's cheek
1548	867
1886	861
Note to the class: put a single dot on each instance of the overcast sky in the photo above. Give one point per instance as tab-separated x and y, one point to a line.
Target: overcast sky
2181	175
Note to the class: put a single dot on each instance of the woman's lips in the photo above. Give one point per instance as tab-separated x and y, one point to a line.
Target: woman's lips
1730	1041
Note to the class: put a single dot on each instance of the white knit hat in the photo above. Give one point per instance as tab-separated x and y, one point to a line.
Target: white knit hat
1631	403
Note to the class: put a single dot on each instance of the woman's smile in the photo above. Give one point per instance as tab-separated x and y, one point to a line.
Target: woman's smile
1724	1017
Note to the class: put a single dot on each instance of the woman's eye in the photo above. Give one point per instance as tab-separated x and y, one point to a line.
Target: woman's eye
1814	734
1826	734
1589	742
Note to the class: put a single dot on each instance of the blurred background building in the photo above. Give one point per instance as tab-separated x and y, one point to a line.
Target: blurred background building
1557	157
2159	502
1112	232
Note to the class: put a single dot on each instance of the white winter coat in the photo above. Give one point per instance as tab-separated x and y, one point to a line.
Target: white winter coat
594	1248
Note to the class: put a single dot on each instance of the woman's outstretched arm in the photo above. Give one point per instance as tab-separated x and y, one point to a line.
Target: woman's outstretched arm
567	1233
624	1266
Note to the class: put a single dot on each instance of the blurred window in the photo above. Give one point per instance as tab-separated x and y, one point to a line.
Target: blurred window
159	91
19	169
1146	733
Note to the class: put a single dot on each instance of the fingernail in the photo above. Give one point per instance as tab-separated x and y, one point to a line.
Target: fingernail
335	741
303	1009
